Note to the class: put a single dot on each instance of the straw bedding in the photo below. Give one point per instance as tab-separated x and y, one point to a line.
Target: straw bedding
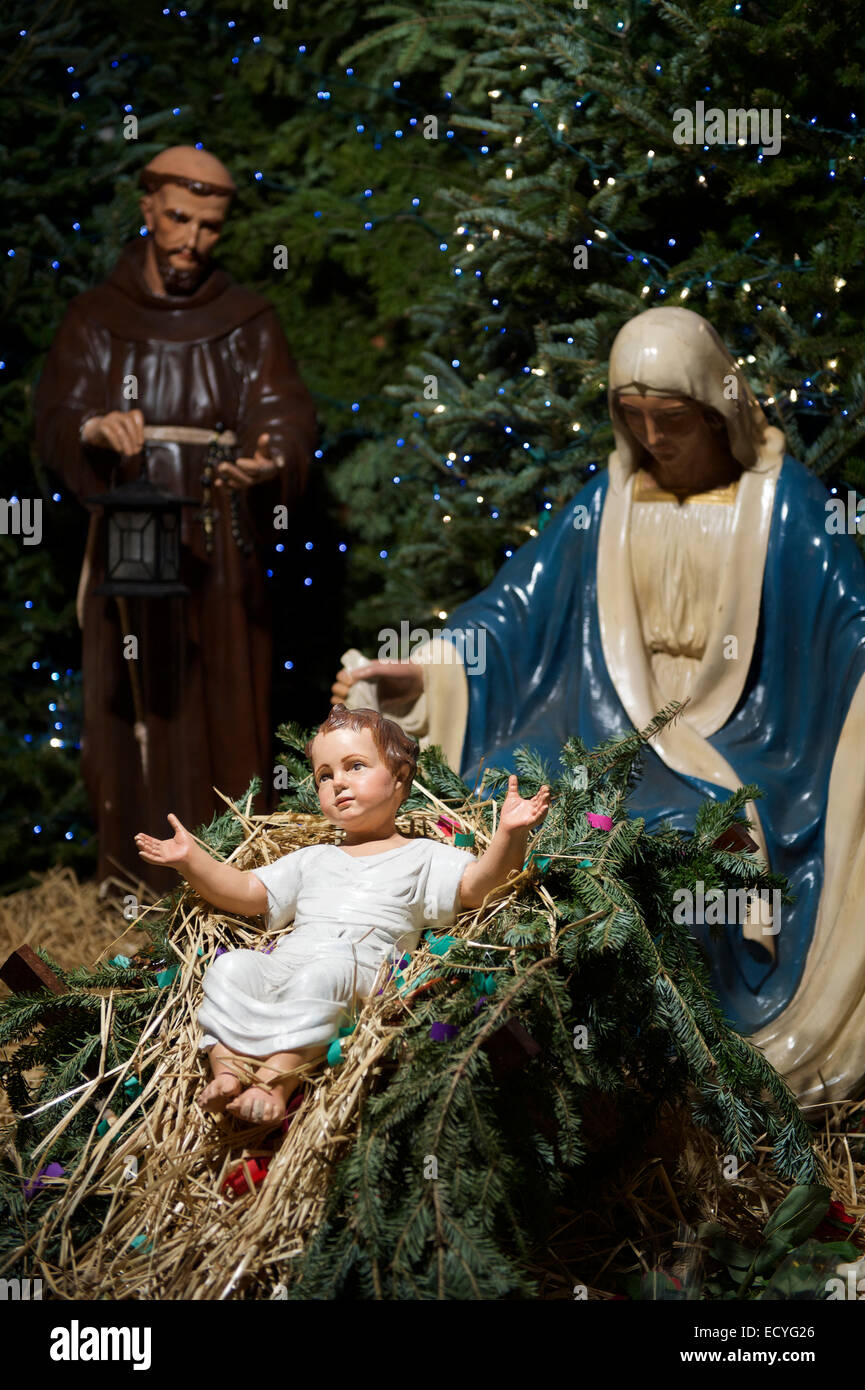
191	1241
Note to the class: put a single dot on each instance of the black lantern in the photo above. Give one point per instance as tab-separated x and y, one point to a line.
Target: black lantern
142	556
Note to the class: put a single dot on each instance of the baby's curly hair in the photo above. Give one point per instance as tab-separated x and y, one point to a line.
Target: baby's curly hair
397	751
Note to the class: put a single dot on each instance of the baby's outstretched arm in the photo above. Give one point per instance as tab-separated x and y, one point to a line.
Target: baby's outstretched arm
223	886
507	849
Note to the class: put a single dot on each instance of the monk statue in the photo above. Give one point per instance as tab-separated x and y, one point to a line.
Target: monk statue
700	565
169	355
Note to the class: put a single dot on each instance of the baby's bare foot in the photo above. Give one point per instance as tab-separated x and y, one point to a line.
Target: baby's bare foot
259	1106
221	1090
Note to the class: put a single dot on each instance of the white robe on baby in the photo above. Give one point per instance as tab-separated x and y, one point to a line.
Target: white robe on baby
350	913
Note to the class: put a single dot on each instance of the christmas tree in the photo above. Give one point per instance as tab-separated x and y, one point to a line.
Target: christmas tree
589	207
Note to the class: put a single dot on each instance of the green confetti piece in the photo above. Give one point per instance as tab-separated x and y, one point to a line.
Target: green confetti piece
585	864
345	1032
464	839
164	978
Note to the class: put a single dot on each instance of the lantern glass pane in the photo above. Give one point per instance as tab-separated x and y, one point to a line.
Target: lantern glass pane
132	546
169	569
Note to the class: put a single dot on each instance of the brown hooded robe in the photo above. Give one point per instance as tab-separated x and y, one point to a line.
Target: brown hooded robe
217	357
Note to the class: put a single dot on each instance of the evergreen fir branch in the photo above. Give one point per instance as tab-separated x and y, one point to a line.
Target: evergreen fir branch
225	832
685	26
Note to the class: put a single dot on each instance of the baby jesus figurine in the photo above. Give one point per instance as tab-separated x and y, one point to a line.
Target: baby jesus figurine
352	904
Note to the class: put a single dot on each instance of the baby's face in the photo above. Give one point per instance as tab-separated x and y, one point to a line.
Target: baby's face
355	788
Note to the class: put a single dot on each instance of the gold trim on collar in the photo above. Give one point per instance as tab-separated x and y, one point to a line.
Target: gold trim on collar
647	490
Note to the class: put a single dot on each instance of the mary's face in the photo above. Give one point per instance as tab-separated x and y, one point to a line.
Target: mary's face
673	429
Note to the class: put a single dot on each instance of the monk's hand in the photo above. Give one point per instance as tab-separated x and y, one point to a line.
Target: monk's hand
397	680
523	813
169	854
244	473
121	430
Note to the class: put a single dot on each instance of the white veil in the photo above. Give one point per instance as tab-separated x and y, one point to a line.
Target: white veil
672	351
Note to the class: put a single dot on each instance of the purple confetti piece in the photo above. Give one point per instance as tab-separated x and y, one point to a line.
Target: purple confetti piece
266	950
54	1170
443	1032
600	822
479	1005
221	951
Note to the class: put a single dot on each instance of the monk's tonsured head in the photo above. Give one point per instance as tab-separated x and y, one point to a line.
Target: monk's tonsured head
186	200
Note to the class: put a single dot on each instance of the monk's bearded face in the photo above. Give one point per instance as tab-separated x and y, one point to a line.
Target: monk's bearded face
185	228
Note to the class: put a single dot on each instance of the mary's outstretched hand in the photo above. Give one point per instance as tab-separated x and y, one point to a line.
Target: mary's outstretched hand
168	853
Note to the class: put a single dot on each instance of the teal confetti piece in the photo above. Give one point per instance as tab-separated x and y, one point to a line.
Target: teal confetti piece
334	1053
441	945
464	839
123	961
345	1032
138	1241
585	864
132	1086
102	1128
164	978
482	984
542	861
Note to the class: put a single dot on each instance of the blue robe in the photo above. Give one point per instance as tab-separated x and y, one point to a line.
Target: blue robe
545	680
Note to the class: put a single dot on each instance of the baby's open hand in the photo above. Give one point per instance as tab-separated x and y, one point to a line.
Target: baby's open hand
523	813
171	854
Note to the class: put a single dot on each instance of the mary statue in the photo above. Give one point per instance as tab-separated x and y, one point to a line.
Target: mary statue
699	565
